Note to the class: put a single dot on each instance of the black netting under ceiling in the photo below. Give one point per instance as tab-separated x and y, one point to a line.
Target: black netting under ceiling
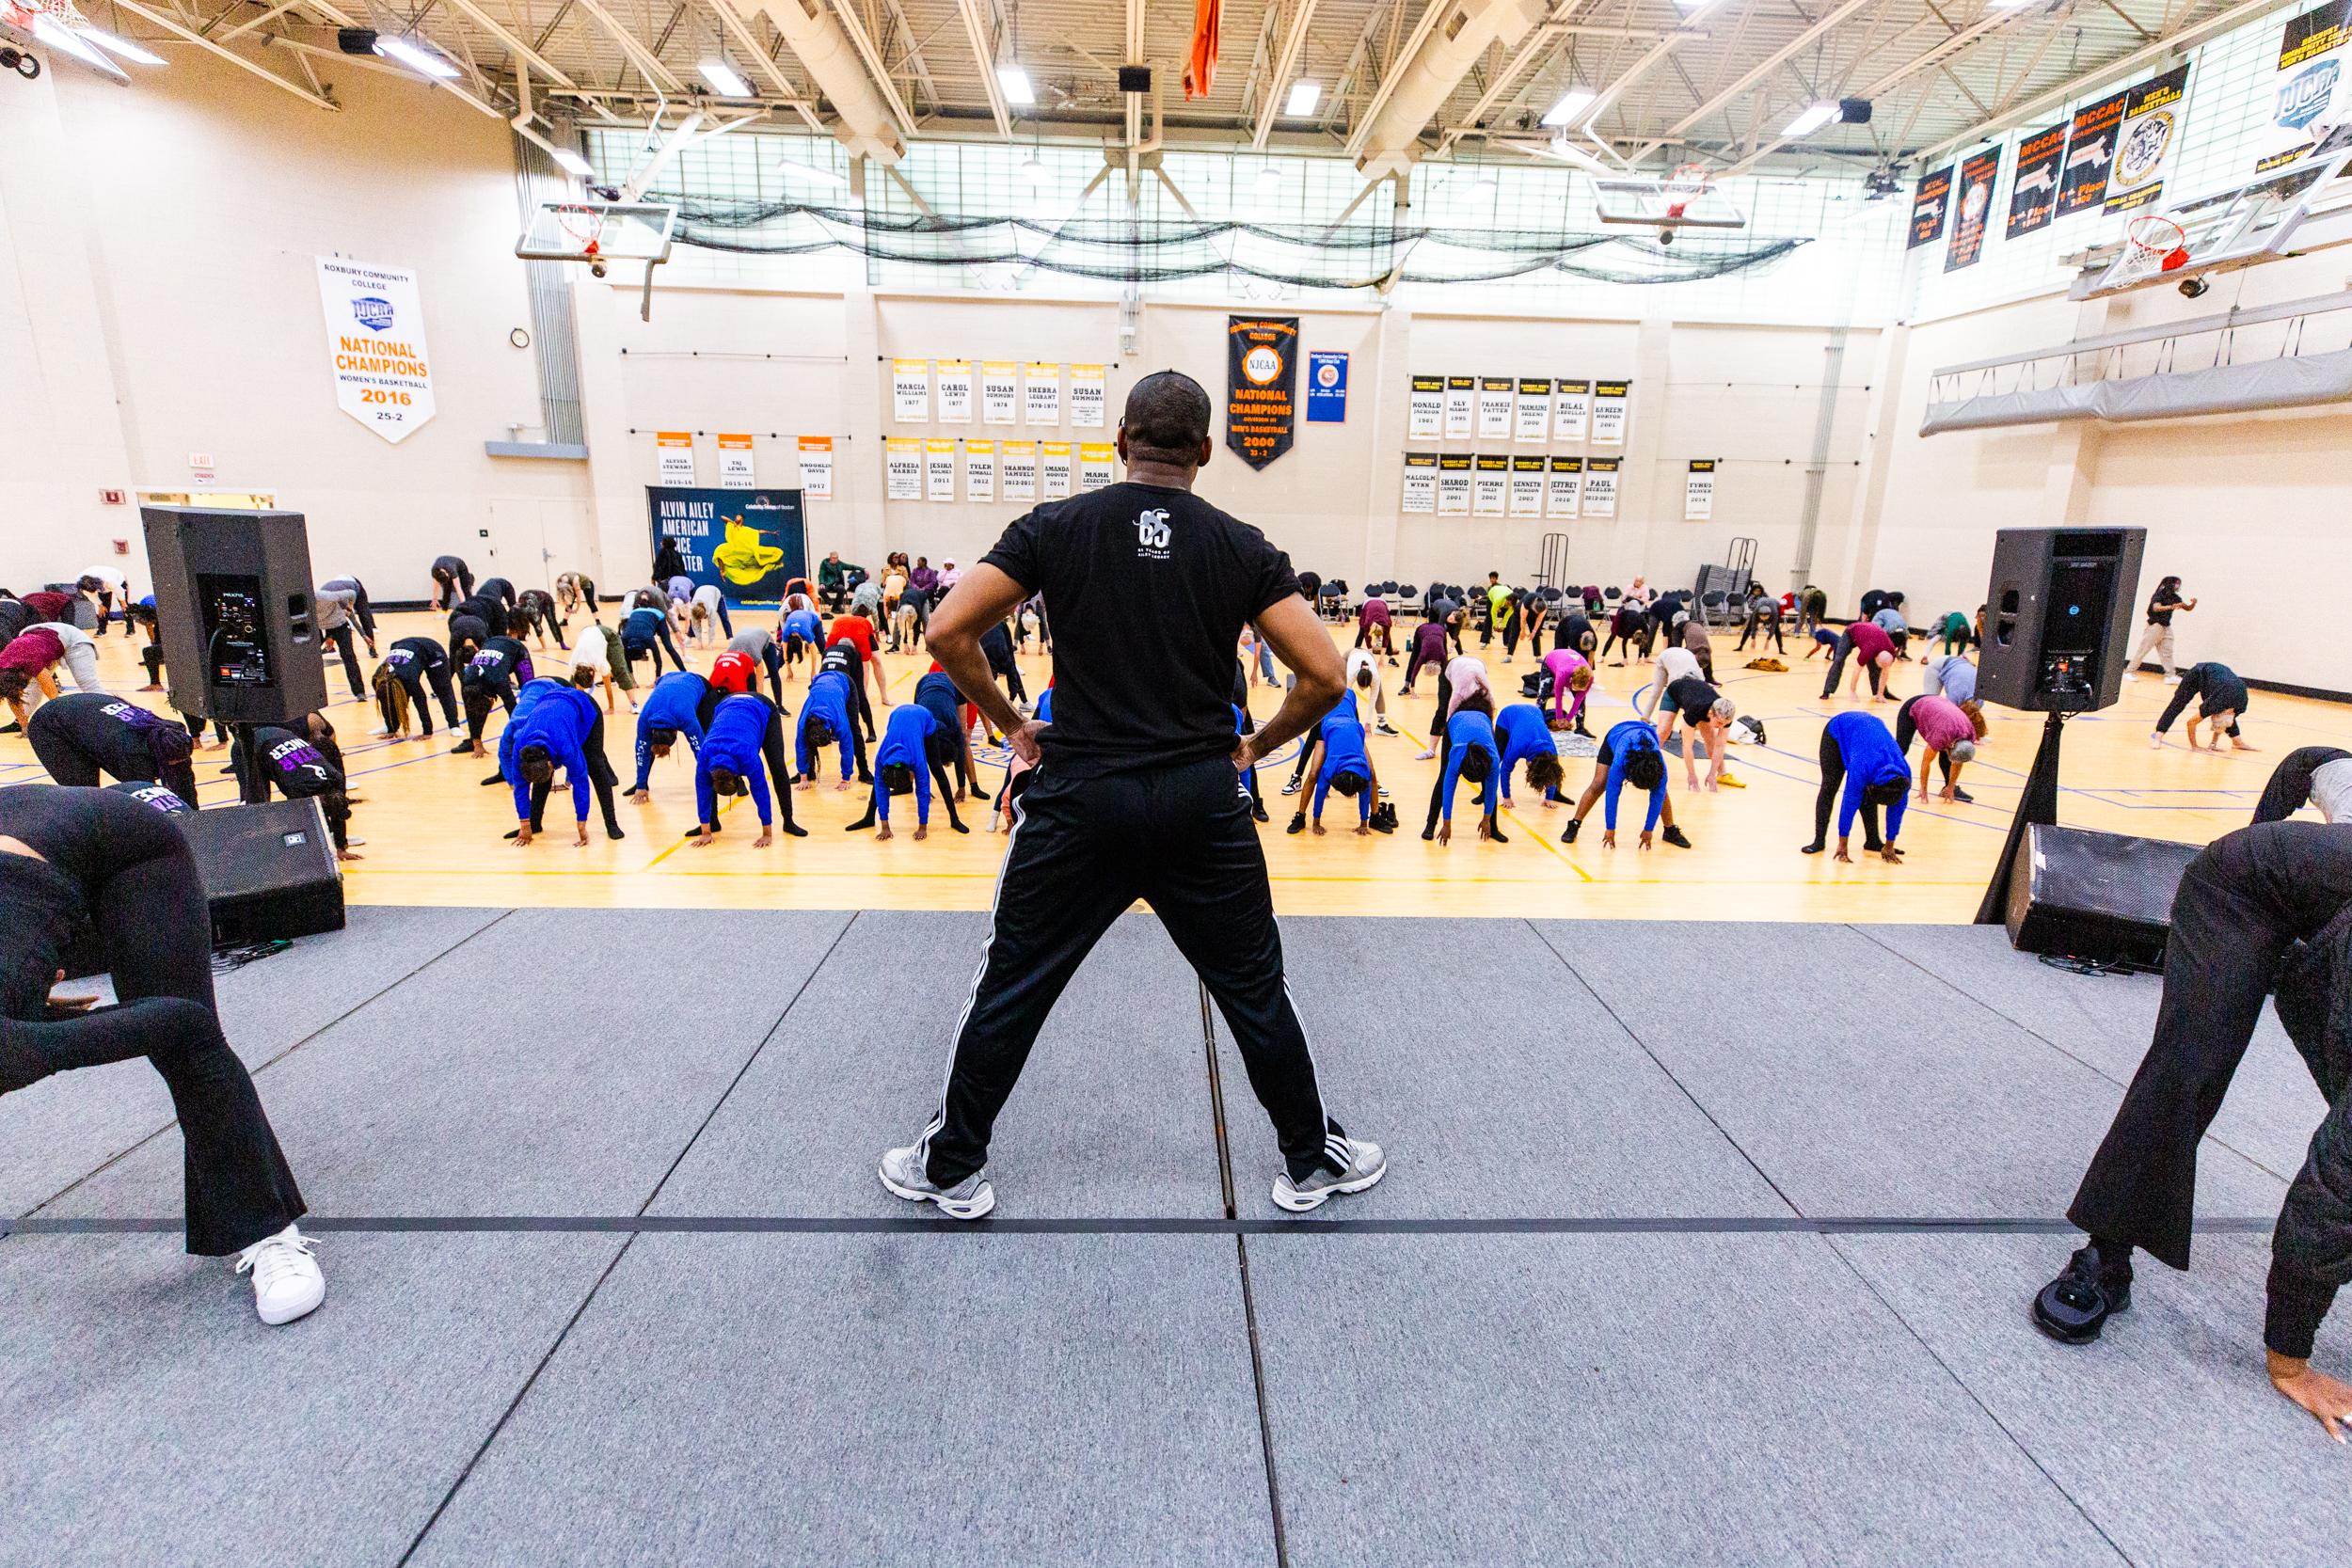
1353	256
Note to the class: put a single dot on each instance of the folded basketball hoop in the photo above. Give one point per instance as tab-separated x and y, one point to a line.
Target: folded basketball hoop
599	234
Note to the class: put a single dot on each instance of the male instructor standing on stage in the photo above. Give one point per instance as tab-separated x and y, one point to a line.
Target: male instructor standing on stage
1140	794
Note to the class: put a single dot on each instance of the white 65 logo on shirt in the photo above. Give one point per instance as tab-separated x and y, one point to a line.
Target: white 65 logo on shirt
1151	533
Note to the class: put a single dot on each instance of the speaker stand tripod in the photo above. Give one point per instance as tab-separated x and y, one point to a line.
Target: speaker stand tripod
2037	806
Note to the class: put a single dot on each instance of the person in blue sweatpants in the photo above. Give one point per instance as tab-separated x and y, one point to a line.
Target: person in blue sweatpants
644	631
827	720
745	734
675	707
1524	736
562	728
1629	755
1859	755
1343	761
914	751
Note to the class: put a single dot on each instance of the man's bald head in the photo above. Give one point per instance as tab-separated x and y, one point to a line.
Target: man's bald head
1167	420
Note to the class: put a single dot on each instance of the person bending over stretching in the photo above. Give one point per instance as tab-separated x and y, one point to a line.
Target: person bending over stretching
803	633
490	679
79	735
1373	624
1430	650
733	760
563	729
1868	642
2265	908
1858	753
674	709
409	666
1951	738
2321	775
2221	697
1708	713
1629	755
1341	762
81	862
938	693
1521	736
1470	752
914	751
1139	793
826	720
306	765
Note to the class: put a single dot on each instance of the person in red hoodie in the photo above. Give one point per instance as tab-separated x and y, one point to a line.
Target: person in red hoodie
1867	641
859	633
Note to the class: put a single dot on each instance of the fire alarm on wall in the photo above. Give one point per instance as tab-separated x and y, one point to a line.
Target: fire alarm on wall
123	546
116	497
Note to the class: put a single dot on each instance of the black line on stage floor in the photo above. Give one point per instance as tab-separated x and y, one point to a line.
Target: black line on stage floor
1002	1225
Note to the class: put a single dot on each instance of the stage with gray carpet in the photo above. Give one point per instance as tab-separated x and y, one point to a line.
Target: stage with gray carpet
1702	1244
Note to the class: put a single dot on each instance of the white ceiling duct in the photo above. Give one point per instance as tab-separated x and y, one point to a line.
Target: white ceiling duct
868	127
1415	90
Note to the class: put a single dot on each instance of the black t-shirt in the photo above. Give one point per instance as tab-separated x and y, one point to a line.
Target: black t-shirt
1147	588
2161	606
1693	698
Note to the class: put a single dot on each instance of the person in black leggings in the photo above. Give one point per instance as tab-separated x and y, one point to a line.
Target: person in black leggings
452	580
408	666
95	865
302	764
540	617
84	734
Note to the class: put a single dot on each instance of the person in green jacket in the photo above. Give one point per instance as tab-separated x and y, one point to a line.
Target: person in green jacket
833	580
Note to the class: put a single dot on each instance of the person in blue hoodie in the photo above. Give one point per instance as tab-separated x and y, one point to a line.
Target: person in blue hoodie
727	774
644	631
1470	754
675	707
1858	753
914	751
733	760
562	728
1339	759
804	634
937	692
1629	755
827	720
1524	736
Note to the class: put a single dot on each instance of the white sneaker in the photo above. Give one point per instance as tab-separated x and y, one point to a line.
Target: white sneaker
286	1280
1361	1164
903	1172
2171	680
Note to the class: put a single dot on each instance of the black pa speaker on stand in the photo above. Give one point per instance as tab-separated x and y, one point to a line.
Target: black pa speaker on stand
2056	634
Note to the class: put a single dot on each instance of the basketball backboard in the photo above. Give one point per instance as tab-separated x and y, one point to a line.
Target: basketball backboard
1686	200
2238	228
599	234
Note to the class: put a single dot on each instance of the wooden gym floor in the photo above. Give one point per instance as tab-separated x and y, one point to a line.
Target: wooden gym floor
433	833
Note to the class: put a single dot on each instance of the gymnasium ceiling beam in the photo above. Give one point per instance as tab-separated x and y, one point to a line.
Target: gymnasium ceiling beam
180	31
978	28
515	45
1285	67
1754	75
648	64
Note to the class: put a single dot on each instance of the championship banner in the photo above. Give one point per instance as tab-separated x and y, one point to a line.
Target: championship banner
1041	395
375	337
910	391
1019	463
1097	465
2143	148
2033	194
1568	488
1453	485
955	392
816	467
1086	396
1261	385
1571	406
1461	406
1000	393
1698	491
2312	56
1600	487
1527	485
1424	414
1491	486
1327	386
1927	206
939	469
735	462
1053	468
979	470
2090	149
1534	415
1421	481
902	468
1612	405
674	458
1495	394
1978	176
746	542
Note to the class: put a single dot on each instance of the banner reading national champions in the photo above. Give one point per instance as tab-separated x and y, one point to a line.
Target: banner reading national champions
748	543
1261	385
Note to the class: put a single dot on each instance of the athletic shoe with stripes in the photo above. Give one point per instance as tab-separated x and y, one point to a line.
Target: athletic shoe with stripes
1361	1164
903	1172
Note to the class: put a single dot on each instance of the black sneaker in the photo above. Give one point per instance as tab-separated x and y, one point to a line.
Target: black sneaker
2075	1306
1575	823
1674	837
1964	798
1299	823
1257	813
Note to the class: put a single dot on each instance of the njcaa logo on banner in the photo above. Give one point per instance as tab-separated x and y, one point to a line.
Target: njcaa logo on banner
2309	70
2305	99
372	313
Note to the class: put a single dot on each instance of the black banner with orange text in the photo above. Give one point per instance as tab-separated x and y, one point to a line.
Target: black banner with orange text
1261	385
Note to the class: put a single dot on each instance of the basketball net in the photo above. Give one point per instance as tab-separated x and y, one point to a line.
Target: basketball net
21	13
1688	183
584	227
2157	243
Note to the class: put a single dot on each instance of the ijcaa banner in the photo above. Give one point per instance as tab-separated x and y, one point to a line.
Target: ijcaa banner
1568	488
1978	176
1535	417
746	542
816	467
2143	146
1424	415
1261	385
2033	195
1928	201
375	343
1698	491
1420	483
2309	85
1326	387
2089	151
1612	404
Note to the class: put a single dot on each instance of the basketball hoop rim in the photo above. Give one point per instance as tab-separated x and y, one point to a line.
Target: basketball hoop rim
2171	226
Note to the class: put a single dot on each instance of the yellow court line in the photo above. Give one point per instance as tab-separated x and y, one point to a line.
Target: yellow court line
1545	840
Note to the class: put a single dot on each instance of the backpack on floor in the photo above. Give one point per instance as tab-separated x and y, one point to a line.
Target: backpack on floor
1536	685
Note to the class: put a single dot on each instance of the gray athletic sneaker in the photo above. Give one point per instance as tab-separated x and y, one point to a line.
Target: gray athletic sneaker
1362	1164
903	1172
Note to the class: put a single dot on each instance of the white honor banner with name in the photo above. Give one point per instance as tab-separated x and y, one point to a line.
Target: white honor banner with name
1612	403
375	342
1572	406
1424	415
1019	463
1495	407
939	469
1461	406
816	467
979	470
1420	483
735	462
1086	397
955	392
1096	465
1698	491
674	458
902	466
1491	486
1041	386
1568	488
1453	485
1053	468
1534	415
1601	488
1526	486
1000	393
910	391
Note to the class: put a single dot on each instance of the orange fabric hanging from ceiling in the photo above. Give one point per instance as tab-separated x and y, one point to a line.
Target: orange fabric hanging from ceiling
1200	63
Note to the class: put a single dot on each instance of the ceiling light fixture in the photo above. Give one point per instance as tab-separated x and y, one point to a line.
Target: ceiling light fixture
1572	103
572	163
724	79
1013	82
1033	169
809	172
65	39
1812	119
415	58
1303	99
124	47
1269	182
